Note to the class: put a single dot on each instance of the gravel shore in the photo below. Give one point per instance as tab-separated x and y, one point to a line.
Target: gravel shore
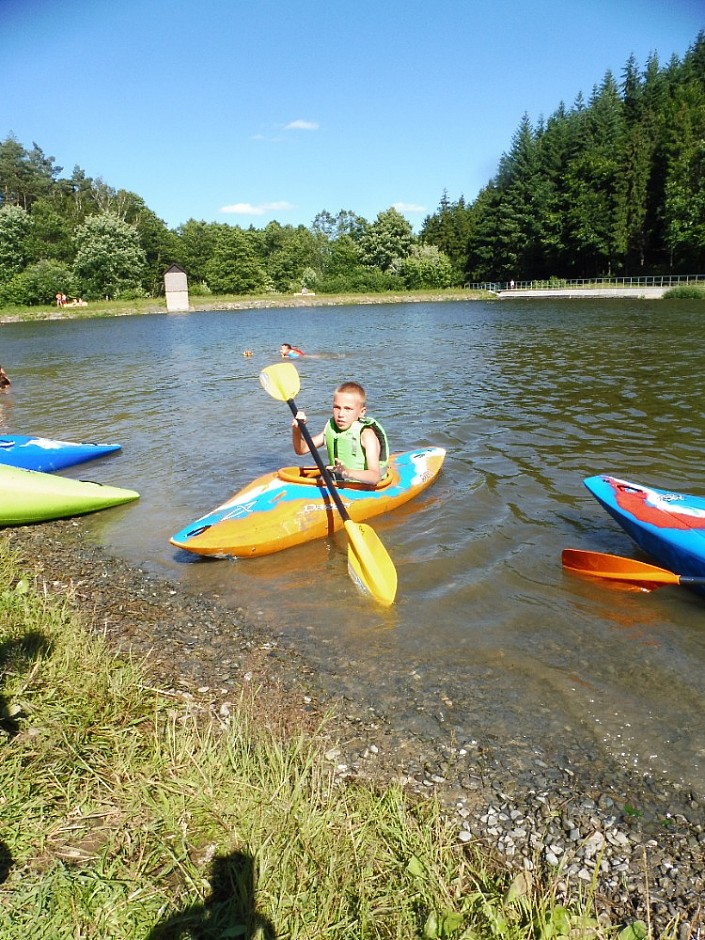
636	843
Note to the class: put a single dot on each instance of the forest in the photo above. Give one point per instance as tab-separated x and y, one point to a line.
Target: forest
612	185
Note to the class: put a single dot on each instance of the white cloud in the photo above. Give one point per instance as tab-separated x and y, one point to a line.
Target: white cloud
301	125
267	138
247	208
408	207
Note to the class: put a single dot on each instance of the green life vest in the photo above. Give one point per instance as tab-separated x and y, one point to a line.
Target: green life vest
347	447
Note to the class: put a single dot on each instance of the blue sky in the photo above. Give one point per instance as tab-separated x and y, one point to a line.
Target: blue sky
244	111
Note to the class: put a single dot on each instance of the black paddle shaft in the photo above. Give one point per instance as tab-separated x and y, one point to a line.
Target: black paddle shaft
325	472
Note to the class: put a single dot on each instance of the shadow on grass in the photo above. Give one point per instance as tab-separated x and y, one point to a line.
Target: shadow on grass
229	911
5	861
16	654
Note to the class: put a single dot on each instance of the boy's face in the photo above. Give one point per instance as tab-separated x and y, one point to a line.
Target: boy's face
347	408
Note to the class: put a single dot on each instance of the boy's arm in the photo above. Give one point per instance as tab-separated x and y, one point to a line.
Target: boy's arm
297	438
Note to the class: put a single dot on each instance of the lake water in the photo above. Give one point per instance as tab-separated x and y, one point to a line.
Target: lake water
489	638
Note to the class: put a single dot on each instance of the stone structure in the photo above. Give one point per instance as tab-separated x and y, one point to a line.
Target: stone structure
176	289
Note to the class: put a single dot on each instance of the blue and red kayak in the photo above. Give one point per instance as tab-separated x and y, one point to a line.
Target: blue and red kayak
41	453
666	525
290	506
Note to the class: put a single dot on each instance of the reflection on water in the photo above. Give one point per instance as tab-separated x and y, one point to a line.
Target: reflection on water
528	397
5	408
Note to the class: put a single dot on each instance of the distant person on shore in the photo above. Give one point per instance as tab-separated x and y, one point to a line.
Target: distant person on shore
288	351
357	446
4	379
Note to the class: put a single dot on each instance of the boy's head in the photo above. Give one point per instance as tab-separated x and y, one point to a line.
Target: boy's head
348	404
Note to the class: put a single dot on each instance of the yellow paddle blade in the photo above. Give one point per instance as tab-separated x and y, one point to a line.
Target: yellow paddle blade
369	565
281	381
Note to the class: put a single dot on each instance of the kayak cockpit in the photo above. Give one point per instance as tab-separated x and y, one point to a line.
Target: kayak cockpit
313	476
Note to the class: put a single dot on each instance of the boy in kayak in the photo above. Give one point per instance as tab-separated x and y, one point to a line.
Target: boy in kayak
357	446
288	351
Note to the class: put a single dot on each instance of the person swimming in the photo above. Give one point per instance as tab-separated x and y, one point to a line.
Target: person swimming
287	351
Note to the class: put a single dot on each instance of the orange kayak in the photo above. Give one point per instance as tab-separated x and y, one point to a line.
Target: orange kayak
292	505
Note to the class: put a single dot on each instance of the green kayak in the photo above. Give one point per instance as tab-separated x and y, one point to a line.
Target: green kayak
32	496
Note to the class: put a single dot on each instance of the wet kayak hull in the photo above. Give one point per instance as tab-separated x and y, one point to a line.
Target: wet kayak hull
668	526
46	455
292	506
28	496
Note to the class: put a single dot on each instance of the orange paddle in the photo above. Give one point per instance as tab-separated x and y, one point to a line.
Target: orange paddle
602	565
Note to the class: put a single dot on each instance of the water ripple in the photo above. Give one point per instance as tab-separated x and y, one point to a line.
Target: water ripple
527	397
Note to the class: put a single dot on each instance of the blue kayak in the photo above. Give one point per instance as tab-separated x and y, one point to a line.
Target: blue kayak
41	453
666	525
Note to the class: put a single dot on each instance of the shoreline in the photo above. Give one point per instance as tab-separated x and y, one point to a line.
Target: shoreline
227	302
206	303
635	293
641	840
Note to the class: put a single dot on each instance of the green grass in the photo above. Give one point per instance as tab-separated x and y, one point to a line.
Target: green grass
129	812
686	292
96	308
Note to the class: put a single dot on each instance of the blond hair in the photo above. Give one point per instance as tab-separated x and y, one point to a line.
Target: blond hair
352	388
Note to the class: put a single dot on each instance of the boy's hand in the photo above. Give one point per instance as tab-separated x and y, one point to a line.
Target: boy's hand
300	417
338	470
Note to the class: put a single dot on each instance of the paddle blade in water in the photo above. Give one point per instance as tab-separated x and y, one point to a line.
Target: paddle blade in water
281	381
369	564
603	565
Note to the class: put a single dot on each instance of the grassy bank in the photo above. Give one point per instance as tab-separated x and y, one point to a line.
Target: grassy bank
121	308
130	812
116	308
686	292
100	308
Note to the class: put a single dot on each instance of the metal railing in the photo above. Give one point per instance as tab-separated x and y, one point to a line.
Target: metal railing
557	283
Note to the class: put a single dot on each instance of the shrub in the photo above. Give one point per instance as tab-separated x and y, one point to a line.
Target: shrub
686	292
361	280
199	289
38	284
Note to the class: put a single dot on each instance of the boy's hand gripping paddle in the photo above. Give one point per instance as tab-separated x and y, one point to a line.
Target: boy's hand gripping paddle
369	565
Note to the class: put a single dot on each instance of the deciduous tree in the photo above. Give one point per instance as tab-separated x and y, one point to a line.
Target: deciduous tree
110	261
235	267
15	241
389	238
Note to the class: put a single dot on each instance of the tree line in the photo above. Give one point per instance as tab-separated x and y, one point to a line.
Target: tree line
81	237
614	184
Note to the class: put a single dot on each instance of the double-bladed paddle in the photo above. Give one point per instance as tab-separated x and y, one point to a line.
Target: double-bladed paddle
602	565
369	565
